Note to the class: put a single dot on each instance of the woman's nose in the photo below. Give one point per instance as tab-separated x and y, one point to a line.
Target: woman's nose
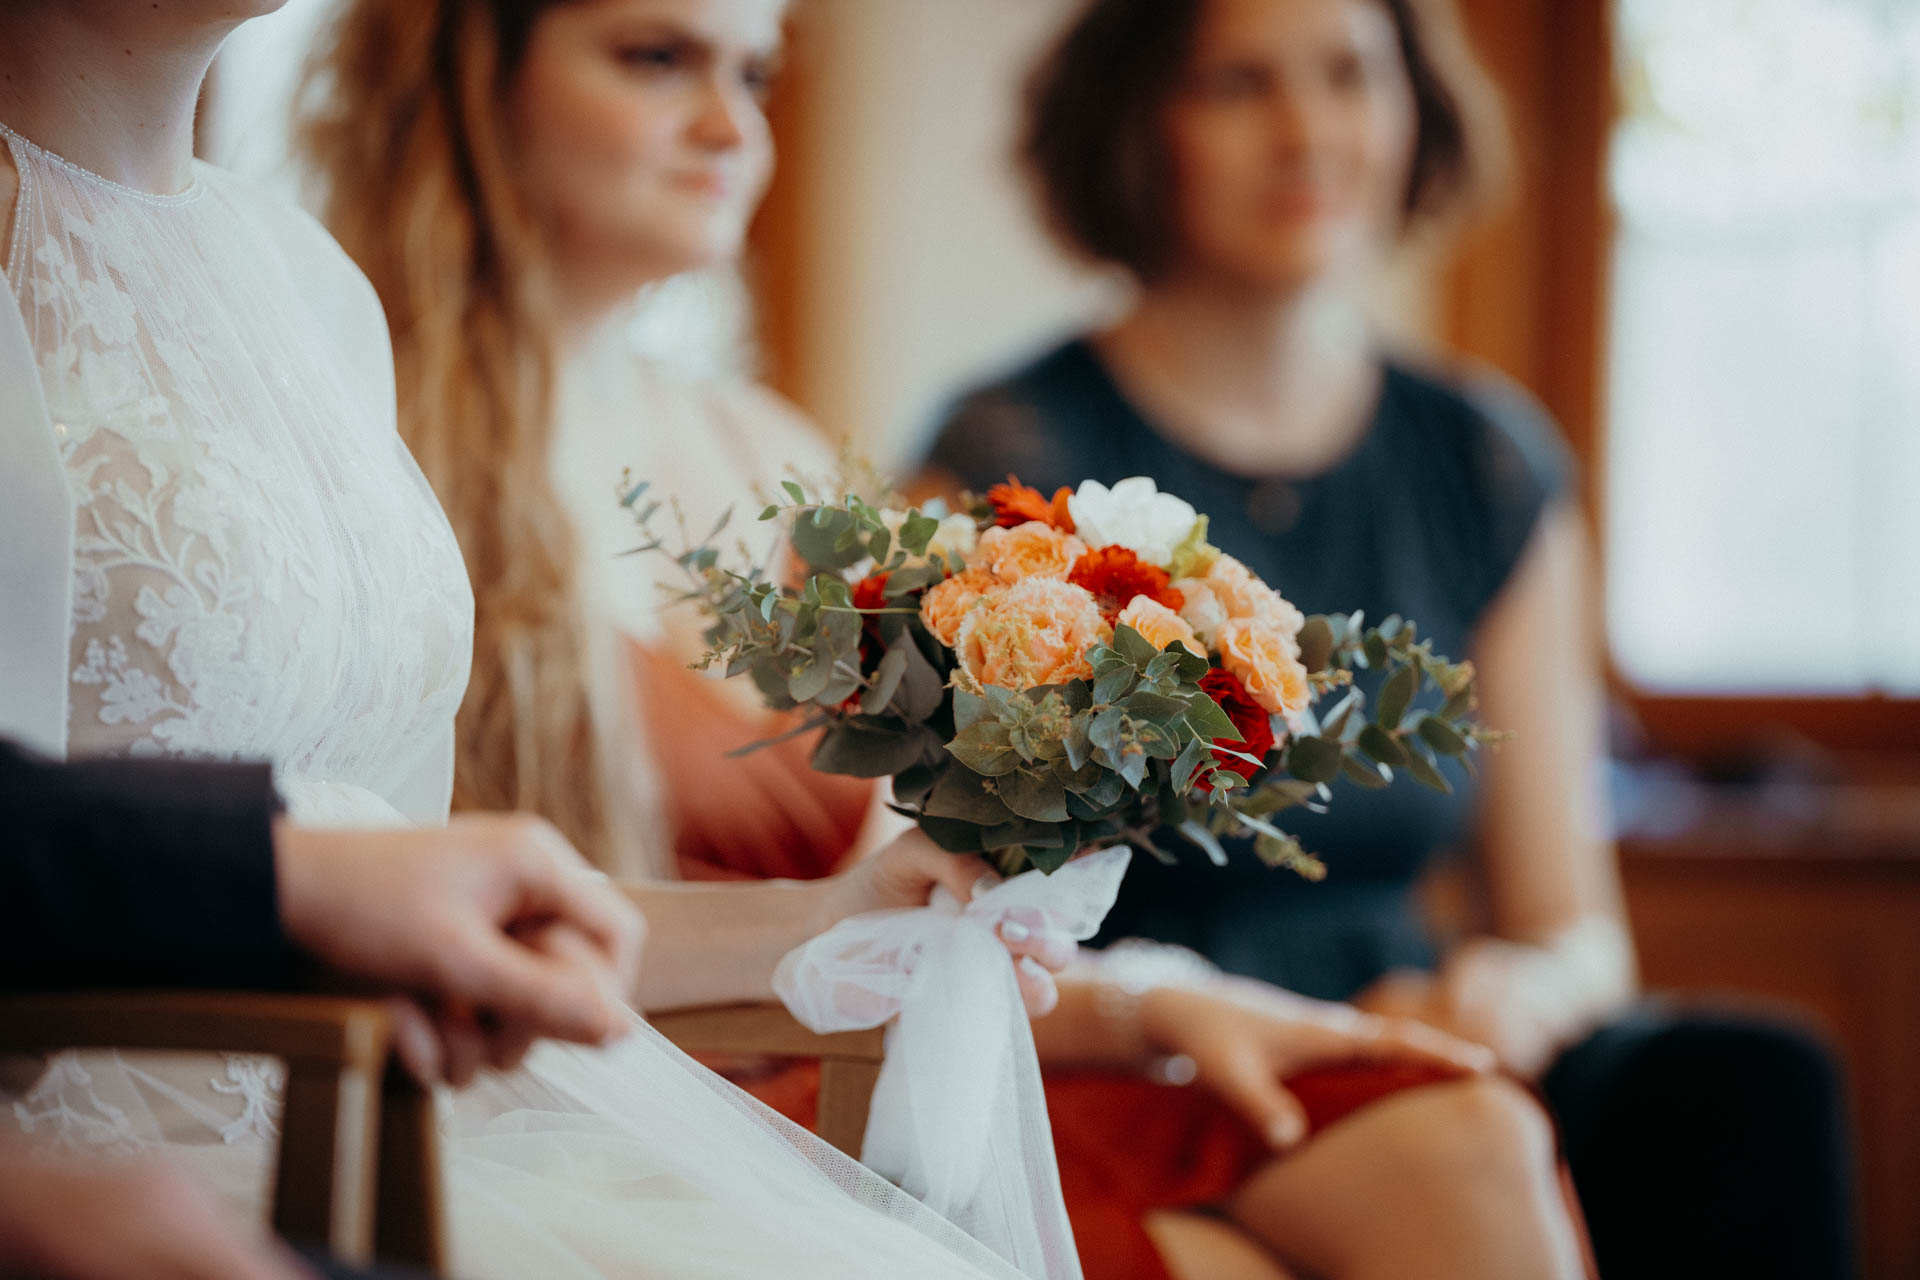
726	118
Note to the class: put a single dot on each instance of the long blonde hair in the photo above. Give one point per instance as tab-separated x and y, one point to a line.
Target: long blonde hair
401	119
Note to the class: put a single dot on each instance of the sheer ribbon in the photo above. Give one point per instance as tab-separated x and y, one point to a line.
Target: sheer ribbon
959	1116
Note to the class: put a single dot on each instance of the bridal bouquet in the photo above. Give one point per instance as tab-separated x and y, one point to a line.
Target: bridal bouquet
1040	675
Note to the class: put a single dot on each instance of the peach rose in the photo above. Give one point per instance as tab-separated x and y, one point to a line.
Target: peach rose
1200	607
1160	625
1243	596
1030	550
946	604
1268	664
1033	632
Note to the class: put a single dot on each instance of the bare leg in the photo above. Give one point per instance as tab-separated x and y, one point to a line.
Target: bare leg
1446	1182
1196	1246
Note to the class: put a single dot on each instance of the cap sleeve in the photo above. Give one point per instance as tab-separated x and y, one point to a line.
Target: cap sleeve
1519	468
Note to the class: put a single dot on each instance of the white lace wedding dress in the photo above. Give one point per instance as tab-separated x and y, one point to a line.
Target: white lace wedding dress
215	544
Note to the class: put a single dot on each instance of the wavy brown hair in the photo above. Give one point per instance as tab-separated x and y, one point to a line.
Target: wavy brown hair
1094	144
401	118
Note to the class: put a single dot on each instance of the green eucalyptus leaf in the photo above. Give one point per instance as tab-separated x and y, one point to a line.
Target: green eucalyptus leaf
1158	707
1048	861
1426	773
1157	742
1205	718
985	750
1363	772
809	679
963	794
1038	798
1206	840
968	707
1375	648
1442	737
917	532
1195	757
1461	702
794	491
1113	685
1133	646
1334	723
885	681
1313	759
769	513
921	688
1381	745
1395	697
952	835
1275	794
862	750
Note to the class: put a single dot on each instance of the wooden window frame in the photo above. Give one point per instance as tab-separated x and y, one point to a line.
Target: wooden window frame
1528	294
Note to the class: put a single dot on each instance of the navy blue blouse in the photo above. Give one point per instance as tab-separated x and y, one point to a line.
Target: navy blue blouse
1426	517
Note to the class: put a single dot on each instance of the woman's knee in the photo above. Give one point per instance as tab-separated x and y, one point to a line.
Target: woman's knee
1461	1135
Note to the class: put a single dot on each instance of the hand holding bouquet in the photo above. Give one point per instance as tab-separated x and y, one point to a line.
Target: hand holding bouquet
1041	675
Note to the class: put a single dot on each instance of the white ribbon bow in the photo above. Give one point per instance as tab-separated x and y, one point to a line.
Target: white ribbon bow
959	1115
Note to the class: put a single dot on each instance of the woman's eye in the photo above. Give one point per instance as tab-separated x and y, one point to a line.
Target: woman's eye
653	57
758	77
1229	84
1347	71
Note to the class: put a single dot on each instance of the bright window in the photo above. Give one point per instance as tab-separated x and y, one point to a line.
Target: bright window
1763	434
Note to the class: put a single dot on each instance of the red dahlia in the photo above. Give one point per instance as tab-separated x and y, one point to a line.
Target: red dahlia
1248	716
1115	575
870	592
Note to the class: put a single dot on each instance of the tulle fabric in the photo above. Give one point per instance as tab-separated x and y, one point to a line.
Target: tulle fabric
241	560
959	1115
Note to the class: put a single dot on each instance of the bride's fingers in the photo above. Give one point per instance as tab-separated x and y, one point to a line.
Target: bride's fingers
1406	1038
415	1042
1038	991
464	1046
1025	933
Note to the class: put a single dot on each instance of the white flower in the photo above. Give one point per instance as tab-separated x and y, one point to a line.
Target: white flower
956	536
1133	514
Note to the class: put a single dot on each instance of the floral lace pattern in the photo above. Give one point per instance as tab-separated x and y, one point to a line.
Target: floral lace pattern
260	571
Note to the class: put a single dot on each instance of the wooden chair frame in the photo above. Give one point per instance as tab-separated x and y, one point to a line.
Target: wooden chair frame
358	1168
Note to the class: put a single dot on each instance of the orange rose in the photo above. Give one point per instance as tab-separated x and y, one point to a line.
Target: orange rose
946	604
1160	625
1268	664
1244	596
1032	633
1030	550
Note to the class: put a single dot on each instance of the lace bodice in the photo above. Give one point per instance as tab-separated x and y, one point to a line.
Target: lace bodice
259	569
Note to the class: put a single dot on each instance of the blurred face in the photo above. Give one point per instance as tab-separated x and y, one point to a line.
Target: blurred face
1291	139
640	136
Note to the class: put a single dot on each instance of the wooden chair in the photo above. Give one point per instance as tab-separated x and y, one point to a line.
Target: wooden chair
358	1168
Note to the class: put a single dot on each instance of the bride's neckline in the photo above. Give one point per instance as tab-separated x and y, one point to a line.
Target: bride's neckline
192	191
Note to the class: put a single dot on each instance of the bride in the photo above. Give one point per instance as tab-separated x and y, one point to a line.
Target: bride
216	545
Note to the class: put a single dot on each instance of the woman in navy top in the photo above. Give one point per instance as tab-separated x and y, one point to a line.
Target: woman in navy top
1251	164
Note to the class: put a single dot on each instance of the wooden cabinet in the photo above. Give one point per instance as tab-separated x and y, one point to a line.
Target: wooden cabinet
1833	934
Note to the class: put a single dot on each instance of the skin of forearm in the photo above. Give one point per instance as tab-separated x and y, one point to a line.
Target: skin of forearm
1082	1030
719	943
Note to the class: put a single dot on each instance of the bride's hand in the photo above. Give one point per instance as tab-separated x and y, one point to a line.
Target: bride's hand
905	873
1245	1038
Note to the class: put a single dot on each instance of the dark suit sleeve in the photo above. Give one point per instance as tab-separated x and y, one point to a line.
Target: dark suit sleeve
138	873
